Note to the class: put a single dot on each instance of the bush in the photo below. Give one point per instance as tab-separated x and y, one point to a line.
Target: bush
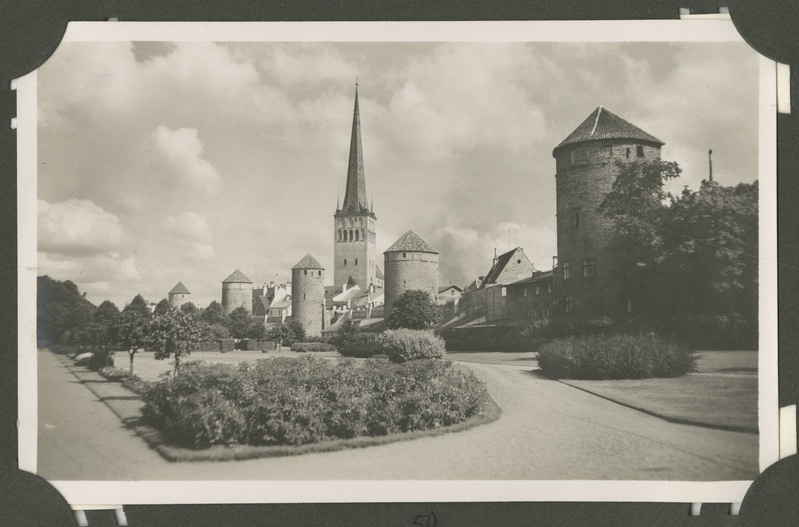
101	358
226	345
131	381
620	356
296	401
402	345
361	346
208	346
312	346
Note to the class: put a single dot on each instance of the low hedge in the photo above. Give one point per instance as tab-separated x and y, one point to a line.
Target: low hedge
361	347
208	346
226	345
401	345
619	356
312	346
131	381
294	401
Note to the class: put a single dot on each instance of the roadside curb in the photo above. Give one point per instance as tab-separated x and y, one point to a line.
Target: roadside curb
676	420
126	405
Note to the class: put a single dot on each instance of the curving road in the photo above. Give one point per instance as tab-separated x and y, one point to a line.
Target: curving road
547	431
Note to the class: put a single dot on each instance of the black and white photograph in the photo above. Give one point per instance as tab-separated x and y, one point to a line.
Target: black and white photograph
370	262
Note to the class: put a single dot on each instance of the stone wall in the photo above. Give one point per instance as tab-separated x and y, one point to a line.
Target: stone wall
585	173
409	270
178	299
308	299
235	295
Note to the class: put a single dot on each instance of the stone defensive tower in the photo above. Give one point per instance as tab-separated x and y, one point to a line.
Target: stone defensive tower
354	231
179	295
411	263
585	171
308	295
237	292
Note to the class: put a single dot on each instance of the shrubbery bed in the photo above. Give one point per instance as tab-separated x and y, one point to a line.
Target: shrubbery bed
618	356
312	346
287	401
401	345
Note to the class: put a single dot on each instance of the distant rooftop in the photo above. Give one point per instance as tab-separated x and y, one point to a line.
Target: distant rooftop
308	262
412	242
604	124
237	278
179	289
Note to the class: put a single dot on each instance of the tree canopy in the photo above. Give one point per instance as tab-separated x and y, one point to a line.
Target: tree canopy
175	334
413	309
60	307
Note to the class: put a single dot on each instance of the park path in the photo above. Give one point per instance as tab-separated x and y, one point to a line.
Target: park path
547	431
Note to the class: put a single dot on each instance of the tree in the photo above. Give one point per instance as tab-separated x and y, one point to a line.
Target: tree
215	314
139	305
191	309
239	323
174	334
59	308
297	331
413	309
347	333
106	313
162	307
285	334
132	330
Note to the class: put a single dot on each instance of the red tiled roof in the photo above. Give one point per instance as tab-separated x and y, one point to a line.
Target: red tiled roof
237	277
412	242
179	289
604	124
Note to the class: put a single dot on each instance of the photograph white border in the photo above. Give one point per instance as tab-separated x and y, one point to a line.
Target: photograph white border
81	494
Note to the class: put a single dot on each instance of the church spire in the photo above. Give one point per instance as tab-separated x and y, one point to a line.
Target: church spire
355	199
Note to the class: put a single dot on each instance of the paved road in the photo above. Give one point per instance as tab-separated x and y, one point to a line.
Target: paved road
547	431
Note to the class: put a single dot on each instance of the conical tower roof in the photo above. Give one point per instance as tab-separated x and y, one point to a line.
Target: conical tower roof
179	289
411	242
308	262
355	194
237	278
604	124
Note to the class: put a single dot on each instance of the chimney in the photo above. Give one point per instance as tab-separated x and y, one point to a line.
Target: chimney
495	256
710	163
554	261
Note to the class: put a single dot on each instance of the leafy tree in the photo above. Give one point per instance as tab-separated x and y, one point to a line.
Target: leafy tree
106	313
239	323
215	314
174	334
347	333
256	330
132	330
285	334
59	308
413	309
214	331
162	307
139	305
297	330
191	309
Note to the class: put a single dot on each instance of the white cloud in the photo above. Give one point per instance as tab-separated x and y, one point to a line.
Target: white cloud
91	269
77	227
191	235
179	158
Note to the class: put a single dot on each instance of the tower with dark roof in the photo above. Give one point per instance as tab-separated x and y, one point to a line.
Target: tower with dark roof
586	167
237	292
410	263
308	295
354	230
179	295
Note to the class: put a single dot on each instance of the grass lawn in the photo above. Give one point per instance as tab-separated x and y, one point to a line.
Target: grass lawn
719	400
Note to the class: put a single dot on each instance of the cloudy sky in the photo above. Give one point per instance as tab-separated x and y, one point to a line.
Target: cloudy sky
161	162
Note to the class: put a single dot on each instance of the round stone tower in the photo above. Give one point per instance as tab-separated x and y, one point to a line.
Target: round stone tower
179	295
308	295
411	263
237	292
586	167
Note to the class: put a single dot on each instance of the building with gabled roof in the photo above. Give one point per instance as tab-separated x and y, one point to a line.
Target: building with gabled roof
509	267
179	295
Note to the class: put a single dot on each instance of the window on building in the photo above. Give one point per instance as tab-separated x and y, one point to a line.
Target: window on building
320	273
576	219
356	261
404	255
535	313
546	312
639	151
504	291
345	262
357	235
525	291
537	290
589	268
627	153
303	296
626	305
567	304
305	272
549	289
566	270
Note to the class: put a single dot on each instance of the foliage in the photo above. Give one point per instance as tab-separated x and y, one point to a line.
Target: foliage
413	309
131	331
401	345
174	334
239	323
687	262
286	334
286	401
214	331
162	307
312	346
129	380
215	314
190	308
59	308
106	313
138	305
101	358
619	356
362	346
347	333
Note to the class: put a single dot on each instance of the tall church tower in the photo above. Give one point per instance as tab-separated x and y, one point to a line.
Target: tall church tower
354	222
